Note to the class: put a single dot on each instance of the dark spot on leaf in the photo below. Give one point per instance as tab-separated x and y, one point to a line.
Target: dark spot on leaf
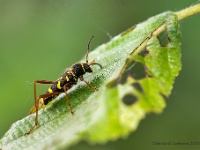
129	99
137	86
128	72
122	78
144	52
139	71
163	39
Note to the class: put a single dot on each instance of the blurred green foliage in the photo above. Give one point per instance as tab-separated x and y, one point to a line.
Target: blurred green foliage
40	38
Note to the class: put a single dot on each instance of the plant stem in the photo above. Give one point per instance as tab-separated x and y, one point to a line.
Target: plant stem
187	12
183	14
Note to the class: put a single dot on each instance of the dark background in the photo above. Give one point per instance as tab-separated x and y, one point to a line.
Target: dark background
40	38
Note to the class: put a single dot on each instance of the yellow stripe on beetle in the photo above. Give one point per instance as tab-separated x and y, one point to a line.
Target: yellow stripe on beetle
50	90
83	67
58	85
73	74
67	78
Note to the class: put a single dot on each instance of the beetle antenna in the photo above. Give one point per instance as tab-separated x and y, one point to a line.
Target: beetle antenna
97	65
88	48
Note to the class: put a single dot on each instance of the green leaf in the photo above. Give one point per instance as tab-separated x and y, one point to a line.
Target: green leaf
105	115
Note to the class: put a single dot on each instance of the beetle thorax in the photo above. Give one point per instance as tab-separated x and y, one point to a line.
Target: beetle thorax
80	69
